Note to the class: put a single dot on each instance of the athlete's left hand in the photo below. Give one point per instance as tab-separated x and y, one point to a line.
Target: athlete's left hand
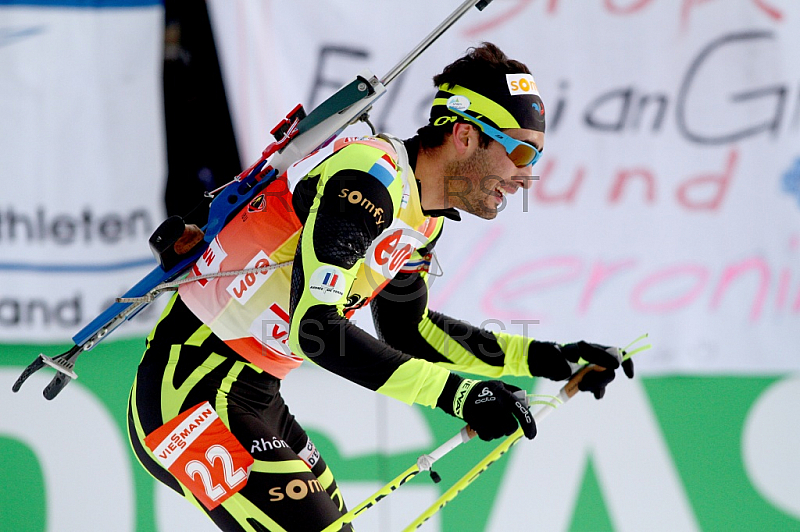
560	362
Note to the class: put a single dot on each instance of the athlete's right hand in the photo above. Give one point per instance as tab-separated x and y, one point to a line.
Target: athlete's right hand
492	409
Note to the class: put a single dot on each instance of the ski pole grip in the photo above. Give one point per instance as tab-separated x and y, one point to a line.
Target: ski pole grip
482	4
467	433
571	388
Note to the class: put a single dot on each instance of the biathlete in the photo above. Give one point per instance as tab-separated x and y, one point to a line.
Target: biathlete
206	416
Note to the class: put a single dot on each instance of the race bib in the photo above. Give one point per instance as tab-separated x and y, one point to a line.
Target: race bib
200	451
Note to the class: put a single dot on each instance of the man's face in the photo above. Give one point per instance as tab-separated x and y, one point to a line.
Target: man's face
478	183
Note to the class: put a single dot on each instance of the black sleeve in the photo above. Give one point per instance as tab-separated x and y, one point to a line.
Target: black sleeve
343	219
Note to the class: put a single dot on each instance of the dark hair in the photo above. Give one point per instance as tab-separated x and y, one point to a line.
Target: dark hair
480	62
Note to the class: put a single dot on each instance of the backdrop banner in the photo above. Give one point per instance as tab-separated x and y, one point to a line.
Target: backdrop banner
82	160
656	454
666	202
668	197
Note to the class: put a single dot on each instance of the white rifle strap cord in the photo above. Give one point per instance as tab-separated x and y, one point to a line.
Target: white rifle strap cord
173	285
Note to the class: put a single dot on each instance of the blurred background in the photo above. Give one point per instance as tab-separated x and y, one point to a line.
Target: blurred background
668	203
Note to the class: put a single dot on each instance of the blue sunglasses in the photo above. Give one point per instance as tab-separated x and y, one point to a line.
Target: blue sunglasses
521	153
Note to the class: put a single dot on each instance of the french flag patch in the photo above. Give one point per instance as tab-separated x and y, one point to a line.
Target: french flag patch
330	279
384	170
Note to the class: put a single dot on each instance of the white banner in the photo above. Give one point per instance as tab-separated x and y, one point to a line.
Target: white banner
82	160
668	193
667	203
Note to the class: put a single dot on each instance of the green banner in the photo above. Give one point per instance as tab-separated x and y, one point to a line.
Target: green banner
659	453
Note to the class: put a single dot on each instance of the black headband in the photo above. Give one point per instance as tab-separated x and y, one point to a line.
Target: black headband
504	101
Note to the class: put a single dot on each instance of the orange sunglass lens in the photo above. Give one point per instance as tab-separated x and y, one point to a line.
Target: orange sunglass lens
522	155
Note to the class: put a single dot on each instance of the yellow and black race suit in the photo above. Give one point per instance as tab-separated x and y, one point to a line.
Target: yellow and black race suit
361	237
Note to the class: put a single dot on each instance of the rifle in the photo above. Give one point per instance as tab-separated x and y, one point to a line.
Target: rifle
296	136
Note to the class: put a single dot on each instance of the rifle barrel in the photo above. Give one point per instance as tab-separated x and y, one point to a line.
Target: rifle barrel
427	41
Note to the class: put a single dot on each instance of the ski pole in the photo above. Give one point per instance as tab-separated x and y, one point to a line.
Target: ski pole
426	461
567	392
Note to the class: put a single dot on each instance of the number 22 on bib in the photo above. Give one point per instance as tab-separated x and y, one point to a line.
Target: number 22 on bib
200	451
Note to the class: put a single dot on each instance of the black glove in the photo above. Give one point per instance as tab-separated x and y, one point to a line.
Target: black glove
560	362
489	407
